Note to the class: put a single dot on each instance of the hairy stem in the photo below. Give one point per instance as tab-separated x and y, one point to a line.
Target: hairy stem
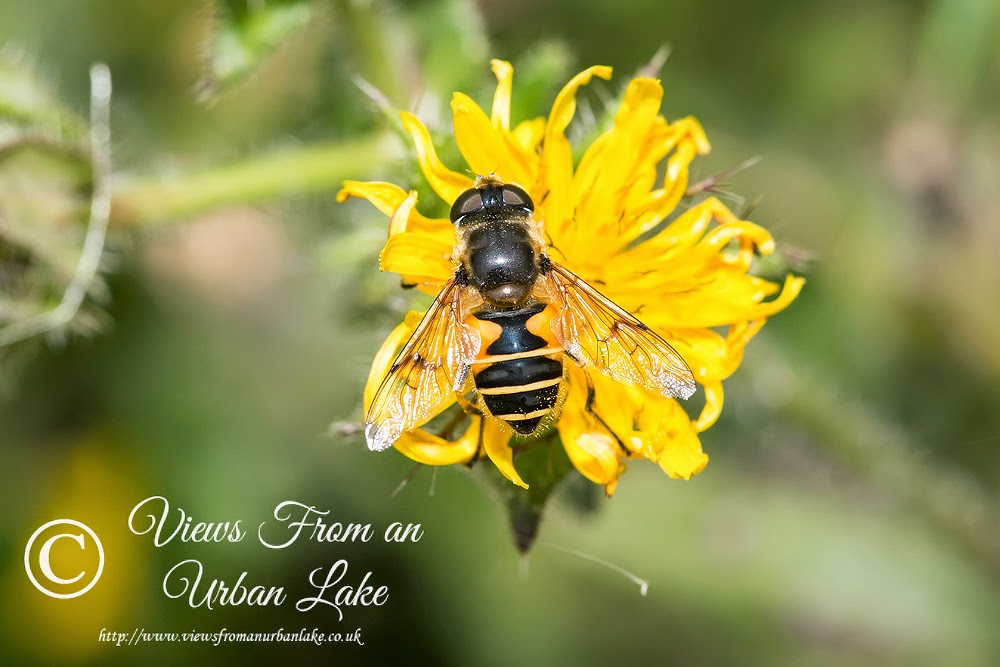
292	172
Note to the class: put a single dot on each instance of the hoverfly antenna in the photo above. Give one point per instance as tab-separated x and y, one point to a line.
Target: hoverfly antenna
488	180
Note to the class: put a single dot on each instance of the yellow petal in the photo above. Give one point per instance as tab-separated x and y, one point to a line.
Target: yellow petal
690	129
588	444
593	453
397	223
610	487
726	297
501	98
446	183
528	134
487	149
385	196
646	208
608	167
713	406
683	232
413	254
741	333
406	219
389	198
556	172
719	238
496	442
677	165
564	106
423	447
680	454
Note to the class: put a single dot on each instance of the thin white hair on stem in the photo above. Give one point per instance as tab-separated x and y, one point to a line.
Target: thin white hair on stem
655	65
715	180
434	476
97	225
406	480
380	99
641	583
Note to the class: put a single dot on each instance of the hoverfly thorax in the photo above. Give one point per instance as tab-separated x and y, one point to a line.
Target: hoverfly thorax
499	253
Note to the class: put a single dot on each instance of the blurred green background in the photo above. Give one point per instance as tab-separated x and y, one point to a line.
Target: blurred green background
849	512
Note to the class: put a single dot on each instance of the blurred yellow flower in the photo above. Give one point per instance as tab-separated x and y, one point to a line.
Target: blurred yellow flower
604	219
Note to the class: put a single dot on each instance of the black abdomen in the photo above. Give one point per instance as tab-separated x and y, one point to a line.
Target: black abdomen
516	377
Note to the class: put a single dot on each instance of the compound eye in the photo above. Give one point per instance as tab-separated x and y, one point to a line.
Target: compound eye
515	196
468	202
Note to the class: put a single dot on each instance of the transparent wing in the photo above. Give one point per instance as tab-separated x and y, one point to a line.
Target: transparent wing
598	333
432	366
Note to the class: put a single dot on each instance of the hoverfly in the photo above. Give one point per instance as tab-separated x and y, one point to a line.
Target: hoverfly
503	325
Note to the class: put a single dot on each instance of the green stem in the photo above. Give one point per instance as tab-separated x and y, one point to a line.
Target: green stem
292	172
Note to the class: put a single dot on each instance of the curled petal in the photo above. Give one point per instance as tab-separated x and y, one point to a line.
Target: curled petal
496	442
677	165
447	184
421	255
564	107
385	196
793	285
741	333
718	238
406	219
500	116
401	216
690	130
390	199
429	449
713	406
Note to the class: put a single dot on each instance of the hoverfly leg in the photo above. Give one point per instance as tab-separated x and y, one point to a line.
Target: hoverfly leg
479	447
406	480
589	407
468	406
446	431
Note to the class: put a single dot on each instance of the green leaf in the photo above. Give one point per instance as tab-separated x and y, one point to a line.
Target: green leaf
246	35
543	464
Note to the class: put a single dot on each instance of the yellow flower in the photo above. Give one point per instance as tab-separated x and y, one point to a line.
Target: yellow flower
604	220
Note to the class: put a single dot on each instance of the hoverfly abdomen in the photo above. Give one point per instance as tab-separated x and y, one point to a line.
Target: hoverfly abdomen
519	367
